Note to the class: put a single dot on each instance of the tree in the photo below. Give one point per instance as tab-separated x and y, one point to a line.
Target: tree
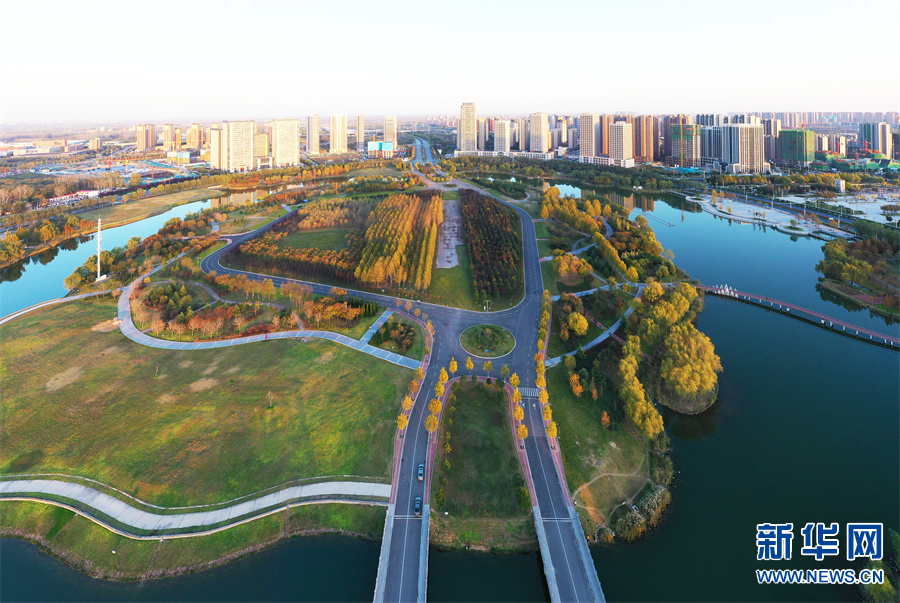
569	361
519	413
439	390
540	381
517	397
407	403
548	414
504	372
453	366
402	421
604	420
408	305
435	406
469	365
488	366
552	430
631	274
575	384
418	313
522	431
444	377
514	380
543	396
431	423
413	387
689	364
419	374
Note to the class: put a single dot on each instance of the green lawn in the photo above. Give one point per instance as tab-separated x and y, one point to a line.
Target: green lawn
135	210
548	276
386	171
533	209
450	195
541	231
484	470
497	341
558	347
188	427
326	238
416	350
453	286
242	224
611	461
68	534
200	257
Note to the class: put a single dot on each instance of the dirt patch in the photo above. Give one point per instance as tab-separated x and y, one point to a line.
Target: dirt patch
166	399
113	349
203	384
185	363
60	380
211	368
107	326
449	236
232	370
613	444
325	358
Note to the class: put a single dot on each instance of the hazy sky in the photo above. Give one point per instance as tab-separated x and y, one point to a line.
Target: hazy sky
159	61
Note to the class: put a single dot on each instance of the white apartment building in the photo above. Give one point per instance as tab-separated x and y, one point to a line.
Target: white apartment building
621	144
502	136
588	133
743	149
360	133
285	142
232	146
540	133
337	137
467	132
390	129
312	135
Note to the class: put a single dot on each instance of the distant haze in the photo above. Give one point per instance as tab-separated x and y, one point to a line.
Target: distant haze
161	61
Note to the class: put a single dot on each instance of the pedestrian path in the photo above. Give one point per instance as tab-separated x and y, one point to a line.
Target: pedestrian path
550	362
375	326
104	508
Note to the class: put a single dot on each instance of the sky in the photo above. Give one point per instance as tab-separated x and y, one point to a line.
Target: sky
155	61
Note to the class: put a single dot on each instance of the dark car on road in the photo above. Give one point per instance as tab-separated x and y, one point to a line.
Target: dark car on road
417	506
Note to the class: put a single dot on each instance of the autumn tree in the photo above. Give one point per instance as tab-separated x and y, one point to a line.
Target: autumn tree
543	396
578	323
469	365
413	387
640	410
519	413
552	430
443	377
514	380
517	397
407	403
604	420
431	423
504	372
689	363
522	431
548	414
402	421
439	389
453	366
435	406
575	384
540	381
488	366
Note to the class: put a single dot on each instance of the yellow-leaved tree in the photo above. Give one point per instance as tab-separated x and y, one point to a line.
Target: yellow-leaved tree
453	366
639	409
522	431
407	403
519	414
552	430
690	363
514	380
435	406
402	421
431	423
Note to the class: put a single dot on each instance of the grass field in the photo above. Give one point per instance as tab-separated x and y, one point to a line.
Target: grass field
484	470
327	238
450	195
453	286
239	223
135	210
533	209
188	427
504	344
605	466
416	350
75	538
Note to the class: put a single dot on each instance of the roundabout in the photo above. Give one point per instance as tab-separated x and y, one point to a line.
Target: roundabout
487	341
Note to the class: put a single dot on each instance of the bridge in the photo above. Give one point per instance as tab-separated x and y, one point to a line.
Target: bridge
805	314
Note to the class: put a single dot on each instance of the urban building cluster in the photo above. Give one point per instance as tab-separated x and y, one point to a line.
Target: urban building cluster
243	145
739	144
49	148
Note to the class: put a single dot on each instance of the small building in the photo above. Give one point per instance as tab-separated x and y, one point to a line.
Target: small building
383	150
840	185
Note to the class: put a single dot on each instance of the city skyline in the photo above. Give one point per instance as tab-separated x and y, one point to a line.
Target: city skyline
761	68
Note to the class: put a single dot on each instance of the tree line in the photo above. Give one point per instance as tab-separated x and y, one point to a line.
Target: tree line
493	243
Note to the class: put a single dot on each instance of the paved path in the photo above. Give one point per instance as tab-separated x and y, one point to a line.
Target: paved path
127	519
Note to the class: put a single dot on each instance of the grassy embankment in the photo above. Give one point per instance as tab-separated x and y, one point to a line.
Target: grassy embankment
96	551
239	223
477	483
138	210
188	427
604	466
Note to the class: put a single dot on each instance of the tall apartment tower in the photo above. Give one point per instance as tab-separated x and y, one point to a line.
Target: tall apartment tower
178	140
540	133
232	146
621	144
524	133
644	144
260	145
467	133
168	137
285	142
482	133
838	144
195	137
312	135
360	133
603	137
588	132
146	137
743	150
878	135
501	135
684	144
390	129
337	138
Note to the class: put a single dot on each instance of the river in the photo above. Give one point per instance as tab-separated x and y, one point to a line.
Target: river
805	431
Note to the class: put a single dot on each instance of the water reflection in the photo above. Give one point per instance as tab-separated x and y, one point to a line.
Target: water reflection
692	427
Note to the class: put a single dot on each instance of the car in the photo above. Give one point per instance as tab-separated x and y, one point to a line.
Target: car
417	506
421	474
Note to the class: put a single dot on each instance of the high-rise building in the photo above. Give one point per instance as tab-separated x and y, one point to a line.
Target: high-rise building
588	134
540	133
390	129
878	135
232	146
337	136
573	137
838	144
821	143
482	133
178	140
742	148
285	142
168	137
360	133
501	136
684	145
312	135
711	145
710	119
603	136
524	133
797	147
146	137
668	122
260	145
621	144
644	144
563	133
467	132
95	144
195	137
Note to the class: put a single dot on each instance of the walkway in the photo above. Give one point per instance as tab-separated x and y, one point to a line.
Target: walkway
122	517
753	298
